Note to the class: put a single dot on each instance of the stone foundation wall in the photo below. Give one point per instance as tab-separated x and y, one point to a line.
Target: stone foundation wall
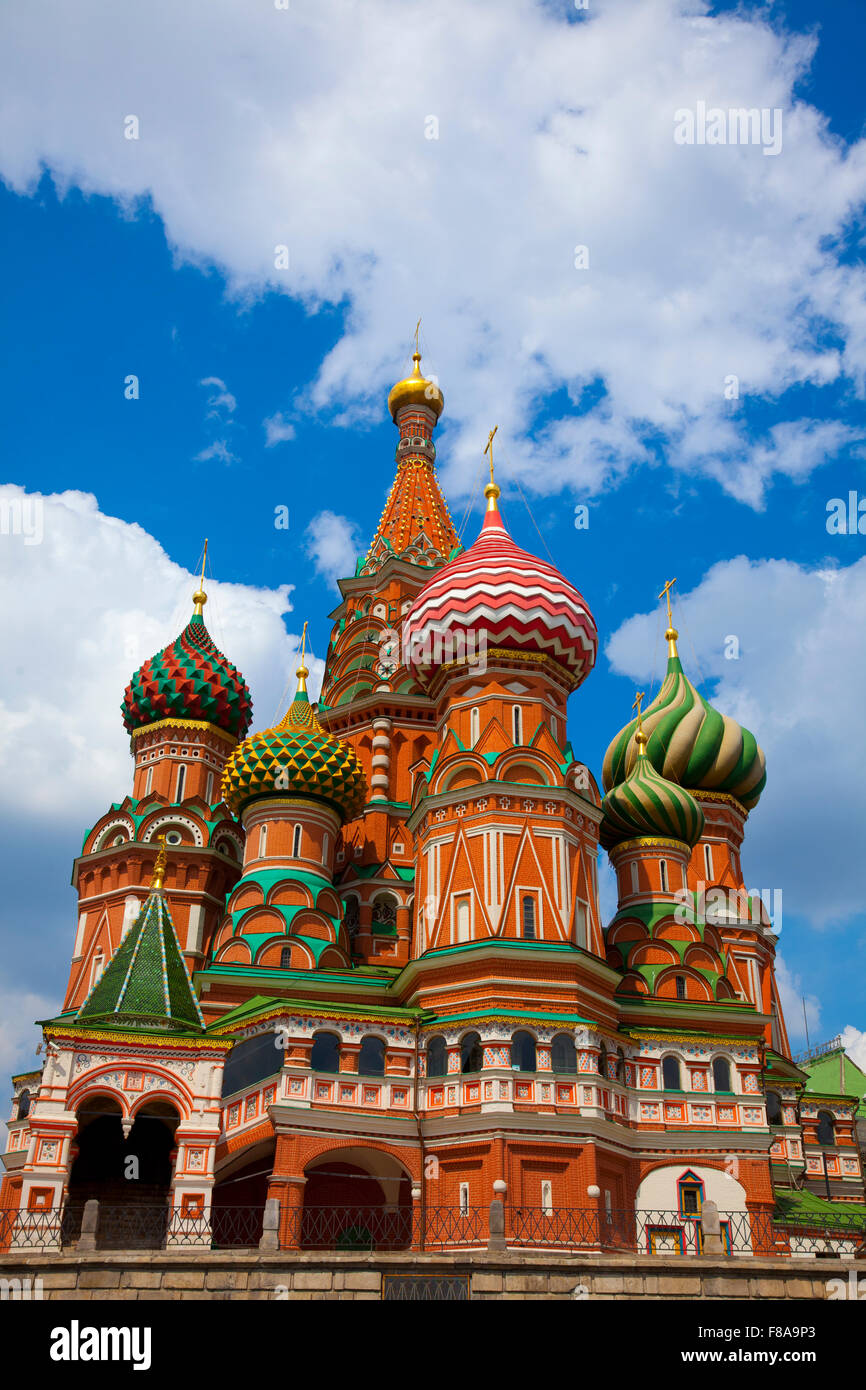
145	1275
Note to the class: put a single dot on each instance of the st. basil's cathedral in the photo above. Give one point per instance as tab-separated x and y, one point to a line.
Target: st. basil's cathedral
357	960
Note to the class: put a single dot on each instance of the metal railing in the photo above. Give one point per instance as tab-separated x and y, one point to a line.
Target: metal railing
435	1229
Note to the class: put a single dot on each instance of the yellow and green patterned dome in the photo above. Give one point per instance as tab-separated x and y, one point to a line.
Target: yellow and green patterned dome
646	804
690	743
296	758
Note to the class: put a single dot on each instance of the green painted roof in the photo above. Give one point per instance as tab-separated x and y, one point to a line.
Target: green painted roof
835	1074
795	1207
146	981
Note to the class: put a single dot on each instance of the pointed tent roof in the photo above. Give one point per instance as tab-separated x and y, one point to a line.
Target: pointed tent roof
146	982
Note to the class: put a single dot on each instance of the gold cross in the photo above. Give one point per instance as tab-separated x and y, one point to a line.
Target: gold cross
489	446
203	562
417	330
303	643
665	594
636	705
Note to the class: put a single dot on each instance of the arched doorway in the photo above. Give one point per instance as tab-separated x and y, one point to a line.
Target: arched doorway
239	1195
130	1175
356	1199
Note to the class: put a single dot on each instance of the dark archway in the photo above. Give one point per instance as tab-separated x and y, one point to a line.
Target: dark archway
130	1176
357	1205
238	1202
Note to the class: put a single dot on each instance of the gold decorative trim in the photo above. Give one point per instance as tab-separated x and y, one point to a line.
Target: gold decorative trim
695	1037
644	841
185	724
294	1007
72	1032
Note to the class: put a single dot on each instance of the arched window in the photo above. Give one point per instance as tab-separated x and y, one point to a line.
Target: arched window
708	862
528	918
554	726
471	1053
148	781
517	717
563	1055
826	1128
721	1074
681	986
523	1051
263	841
474	726
296	843
325	1055
371	1058
181	782
463	919
437	1057
671	1074
602	1060
208	792
352	915
385	914
23	1105
620	1064
774	1108
326	845
663	875
286	958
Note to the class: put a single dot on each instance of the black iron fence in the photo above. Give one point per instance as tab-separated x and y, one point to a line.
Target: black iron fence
434	1229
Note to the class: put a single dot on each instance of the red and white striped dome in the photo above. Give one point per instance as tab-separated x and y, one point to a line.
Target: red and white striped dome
500	595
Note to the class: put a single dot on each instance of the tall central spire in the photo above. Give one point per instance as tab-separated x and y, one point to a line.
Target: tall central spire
416	525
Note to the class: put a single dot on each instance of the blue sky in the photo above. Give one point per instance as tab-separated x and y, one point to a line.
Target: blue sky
123	259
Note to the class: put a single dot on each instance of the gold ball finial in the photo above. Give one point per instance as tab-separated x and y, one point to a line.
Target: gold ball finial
159	867
199	598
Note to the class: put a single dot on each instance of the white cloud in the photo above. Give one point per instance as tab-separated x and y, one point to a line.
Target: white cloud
793	995
277	430
218	450
262	128
333	545
222	399
798	685
93	600
854	1043
19	1036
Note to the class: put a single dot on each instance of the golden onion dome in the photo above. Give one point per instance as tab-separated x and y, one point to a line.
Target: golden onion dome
416	390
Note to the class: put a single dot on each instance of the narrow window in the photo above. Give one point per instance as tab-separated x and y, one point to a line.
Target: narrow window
708	862
263	841
528	922
148	781
296	843
463	915
208	794
681	986
518	724
547	1197
554	726
286	958
826	1129
325	1055
634	878
523	1051
671	1074
181	781
471	1053
371	1058
326	845
96	970
474	726
774	1108
663	874
721	1074
464	1199
563	1054
437	1057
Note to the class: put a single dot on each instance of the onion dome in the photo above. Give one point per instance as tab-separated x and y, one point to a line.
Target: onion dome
689	742
647	804
519	603
191	679
416	390
296	758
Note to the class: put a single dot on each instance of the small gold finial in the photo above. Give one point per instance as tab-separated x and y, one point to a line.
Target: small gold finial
491	492
417	331
199	598
640	737
671	635
302	671
158	878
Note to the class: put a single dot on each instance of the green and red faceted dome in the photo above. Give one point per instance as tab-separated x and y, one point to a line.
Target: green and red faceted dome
190	679
518	602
